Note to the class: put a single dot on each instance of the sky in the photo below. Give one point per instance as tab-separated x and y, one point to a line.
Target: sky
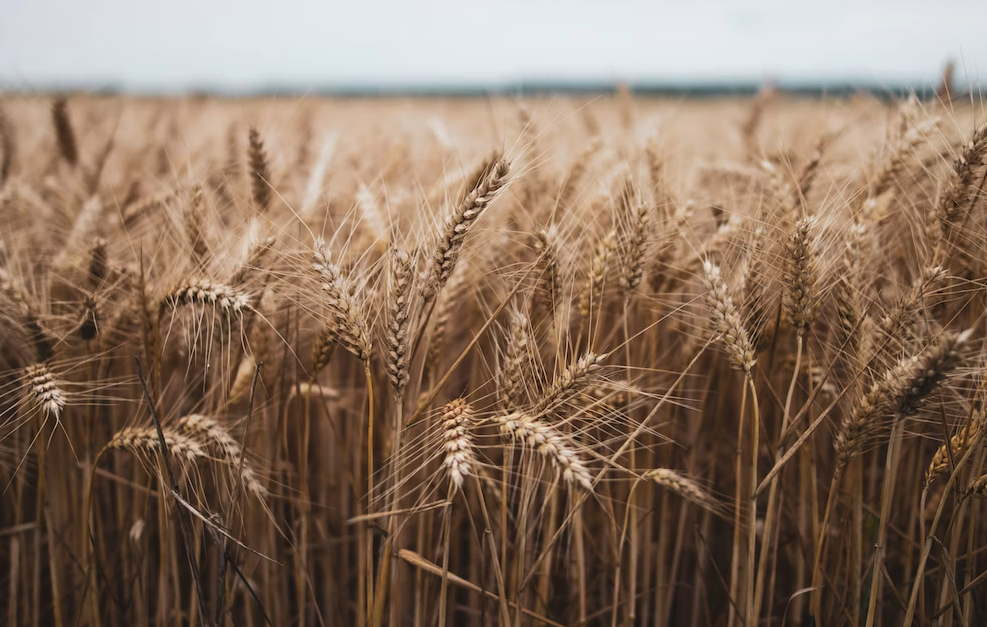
176	45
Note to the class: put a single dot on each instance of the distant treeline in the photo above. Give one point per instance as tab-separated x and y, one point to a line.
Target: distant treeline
523	88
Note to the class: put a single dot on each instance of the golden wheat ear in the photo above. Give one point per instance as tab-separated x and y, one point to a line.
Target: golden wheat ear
345	323
519	428
398	319
487	185
726	319
459	459
216	437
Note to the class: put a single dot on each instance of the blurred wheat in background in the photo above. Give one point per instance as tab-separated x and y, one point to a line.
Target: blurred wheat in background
573	361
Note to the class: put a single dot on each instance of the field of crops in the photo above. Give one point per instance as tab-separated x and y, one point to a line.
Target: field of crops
569	361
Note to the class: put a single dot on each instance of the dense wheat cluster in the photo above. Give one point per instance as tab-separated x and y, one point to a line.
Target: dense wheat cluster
609	361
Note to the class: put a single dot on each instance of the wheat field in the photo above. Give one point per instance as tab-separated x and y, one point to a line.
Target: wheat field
569	361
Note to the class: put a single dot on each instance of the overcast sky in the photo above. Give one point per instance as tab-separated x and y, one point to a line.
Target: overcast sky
244	44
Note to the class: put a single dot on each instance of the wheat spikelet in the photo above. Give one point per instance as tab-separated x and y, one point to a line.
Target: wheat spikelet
511	385
194	219
548	268
260	175
897	324
726	319
810	170
345	323
211	433
653	153
849	289
489	183
978	487
142	441
684	487
25	312
43	390
753	288
396	349
229	301
545	440
897	153
257	253
901	392
955	193
800	275
712	248
593	292
324	346
459	458
574	379
961	440
632	248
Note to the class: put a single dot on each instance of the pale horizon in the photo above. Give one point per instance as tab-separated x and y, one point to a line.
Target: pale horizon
230	46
